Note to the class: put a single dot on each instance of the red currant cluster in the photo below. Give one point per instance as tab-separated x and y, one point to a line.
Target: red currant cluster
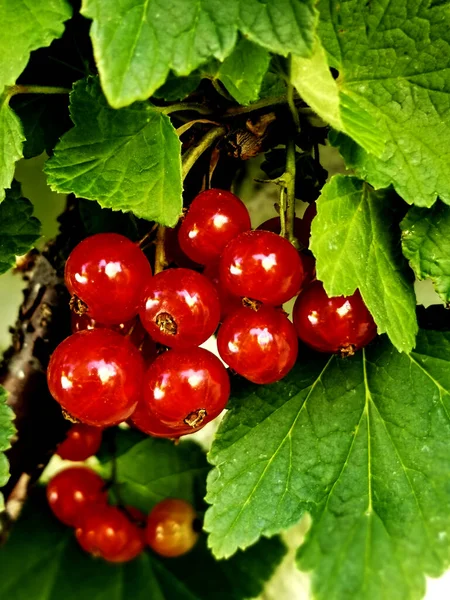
98	374
78	498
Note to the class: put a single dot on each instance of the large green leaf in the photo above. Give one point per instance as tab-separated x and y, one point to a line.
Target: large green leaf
127	160
146	470
392	96
19	230
362	444
42	561
137	43
26	26
355	241
7	430
426	244
11	142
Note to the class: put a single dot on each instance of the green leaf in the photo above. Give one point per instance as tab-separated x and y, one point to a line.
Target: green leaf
355	241
147	470
19	230
362	445
26	26
242	72
7	430
177	88
44	119
11	141
426	244
137	43
42	561
127	160
392	93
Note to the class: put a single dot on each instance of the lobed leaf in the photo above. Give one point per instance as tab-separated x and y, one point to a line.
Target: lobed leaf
7	431
355	241
127	160
11	142
362	445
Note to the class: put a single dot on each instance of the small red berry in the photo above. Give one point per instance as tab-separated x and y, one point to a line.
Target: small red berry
262	266
302	227
144	420
214	218
108	273
174	254
96	376
339	324
132	329
180	308
260	345
105	531
186	387
228	302
70	491
171	528
82	441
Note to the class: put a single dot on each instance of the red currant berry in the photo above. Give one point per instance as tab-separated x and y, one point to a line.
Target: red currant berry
70	491
302	227
174	254
214	218
171	528
132	329
186	387
340	325
228	302
82	441
181	308
144	420
262	266
108	273
96	376
260	345
105	531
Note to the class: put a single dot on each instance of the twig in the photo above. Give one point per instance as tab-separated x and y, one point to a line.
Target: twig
36	89
193	154
160	251
183	128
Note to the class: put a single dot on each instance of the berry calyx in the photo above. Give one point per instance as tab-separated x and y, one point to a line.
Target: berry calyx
214	218
108	273
70	491
171	528
186	387
262	266
180	309
338	325
147	422
105	531
260	345
82	441
96	376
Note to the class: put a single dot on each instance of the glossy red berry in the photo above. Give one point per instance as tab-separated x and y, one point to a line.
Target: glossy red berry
70	491
108	273
262	266
186	387
105	531
214	218
340	324
228	302
96	376
180	308
260	345
173	251
82	441
302	227
132	329
144	420
171	528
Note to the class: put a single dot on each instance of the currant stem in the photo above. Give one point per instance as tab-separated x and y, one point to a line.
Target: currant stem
182	106
289	175
36	89
183	128
160	252
193	154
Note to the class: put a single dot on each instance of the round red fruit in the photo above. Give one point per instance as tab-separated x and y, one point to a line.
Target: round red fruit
70	491
108	273
261	265
214	218
186	387
171	528
144	420
228	302
132	329
96	376
105	531
181	308
339	324
82	441
302	227
260	345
